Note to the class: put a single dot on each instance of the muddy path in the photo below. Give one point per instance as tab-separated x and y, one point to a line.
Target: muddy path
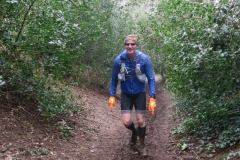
109	138
99	133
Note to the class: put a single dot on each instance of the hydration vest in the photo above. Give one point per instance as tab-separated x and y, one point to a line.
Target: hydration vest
141	76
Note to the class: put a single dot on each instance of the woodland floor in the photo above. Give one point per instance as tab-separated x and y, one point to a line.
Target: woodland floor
99	133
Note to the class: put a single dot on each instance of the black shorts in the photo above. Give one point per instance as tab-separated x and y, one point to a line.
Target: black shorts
136	100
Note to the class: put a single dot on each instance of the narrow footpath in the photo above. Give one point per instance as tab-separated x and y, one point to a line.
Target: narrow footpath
108	139
98	133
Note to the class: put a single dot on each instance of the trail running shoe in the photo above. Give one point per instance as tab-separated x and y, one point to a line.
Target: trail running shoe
142	151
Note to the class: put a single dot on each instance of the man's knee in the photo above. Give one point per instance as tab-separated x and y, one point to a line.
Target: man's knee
141	120
127	120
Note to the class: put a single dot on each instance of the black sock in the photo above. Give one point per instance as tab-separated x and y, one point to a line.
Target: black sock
131	127
142	133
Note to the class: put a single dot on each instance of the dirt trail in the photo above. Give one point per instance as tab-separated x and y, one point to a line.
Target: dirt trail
99	134
109	139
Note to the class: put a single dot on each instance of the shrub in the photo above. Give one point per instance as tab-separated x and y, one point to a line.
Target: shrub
201	52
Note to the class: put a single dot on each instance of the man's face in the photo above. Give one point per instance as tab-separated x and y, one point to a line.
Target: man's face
131	47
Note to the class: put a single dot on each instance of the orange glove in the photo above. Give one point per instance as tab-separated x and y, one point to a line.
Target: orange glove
112	102
152	105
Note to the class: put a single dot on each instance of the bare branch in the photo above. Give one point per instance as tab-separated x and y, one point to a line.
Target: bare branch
24	20
73	2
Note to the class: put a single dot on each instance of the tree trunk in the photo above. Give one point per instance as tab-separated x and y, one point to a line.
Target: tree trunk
2	10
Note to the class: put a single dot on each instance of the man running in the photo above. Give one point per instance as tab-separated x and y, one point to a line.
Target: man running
132	68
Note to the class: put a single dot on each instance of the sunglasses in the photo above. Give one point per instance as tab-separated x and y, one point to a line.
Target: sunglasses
131	44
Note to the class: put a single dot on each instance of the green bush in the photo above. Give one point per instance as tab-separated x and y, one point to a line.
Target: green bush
47	43
202	55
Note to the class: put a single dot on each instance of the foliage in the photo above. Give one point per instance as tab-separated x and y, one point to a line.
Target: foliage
182	146
97	44
44	43
232	155
201	51
131	17
65	128
47	45
56	102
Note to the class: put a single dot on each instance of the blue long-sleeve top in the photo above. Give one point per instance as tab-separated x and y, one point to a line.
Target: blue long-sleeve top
132	85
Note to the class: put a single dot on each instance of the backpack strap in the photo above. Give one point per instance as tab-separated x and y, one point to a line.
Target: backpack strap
140	76
123	66
139	58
